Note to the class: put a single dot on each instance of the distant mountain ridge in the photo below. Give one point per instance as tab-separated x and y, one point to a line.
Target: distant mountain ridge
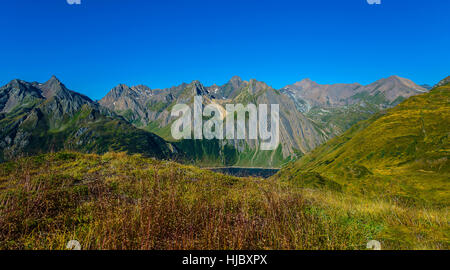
308	94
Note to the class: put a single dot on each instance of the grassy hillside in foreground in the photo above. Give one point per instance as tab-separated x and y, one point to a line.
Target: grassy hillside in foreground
116	201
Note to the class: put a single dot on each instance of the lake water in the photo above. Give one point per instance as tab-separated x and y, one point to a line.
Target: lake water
246	172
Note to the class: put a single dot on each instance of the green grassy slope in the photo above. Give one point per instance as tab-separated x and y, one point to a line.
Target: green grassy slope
402	153
335	121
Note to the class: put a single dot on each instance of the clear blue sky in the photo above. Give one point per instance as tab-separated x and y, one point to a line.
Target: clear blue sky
96	45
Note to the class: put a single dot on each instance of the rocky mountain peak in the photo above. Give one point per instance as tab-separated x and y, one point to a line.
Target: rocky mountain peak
119	91
443	82
54	79
16	83
141	88
121	88
52	87
15	92
256	86
198	88
305	83
54	82
400	81
394	77
395	86
236	79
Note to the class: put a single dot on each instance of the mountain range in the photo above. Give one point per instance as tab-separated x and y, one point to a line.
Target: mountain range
310	113
41	117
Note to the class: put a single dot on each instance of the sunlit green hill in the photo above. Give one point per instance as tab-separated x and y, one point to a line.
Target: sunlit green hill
401	154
